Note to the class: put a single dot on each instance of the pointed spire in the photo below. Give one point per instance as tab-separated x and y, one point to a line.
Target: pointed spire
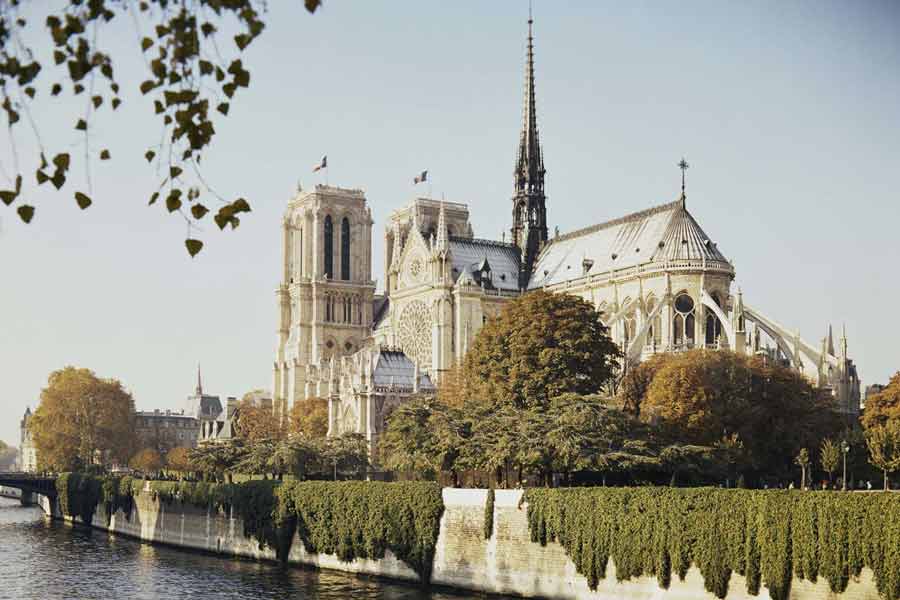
397	248
529	162
830	347
443	243
199	390
844	341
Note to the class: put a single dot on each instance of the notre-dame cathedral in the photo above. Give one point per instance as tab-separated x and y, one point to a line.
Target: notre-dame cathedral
660	282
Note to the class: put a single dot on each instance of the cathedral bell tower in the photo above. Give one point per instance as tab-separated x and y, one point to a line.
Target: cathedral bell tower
529	229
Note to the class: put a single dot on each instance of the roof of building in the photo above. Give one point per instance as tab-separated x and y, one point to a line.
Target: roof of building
394	368
380	306
468	258
164	414
203	407
659	234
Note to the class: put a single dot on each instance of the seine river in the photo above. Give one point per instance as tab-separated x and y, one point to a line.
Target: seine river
44	559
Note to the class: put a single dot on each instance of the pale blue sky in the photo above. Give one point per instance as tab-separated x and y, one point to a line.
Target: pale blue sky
789	113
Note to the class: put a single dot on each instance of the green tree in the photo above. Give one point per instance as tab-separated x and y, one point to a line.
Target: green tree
883	442
541	345
802	461
7	456
829	457
82	420
218	459
146	461
194	73
883	406
344	456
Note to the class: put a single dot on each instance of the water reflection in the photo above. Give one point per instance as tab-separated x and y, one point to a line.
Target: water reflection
41	559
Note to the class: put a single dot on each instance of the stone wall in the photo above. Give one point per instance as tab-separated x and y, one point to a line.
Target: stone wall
509	563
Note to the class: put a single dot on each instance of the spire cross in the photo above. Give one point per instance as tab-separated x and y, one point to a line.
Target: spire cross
684	166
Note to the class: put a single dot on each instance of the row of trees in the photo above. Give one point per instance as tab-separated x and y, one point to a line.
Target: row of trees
540	398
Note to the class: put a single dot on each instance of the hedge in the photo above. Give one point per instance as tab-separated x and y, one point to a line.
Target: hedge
79	495
767	536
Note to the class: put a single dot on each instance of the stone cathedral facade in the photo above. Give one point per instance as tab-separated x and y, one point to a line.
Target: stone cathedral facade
661	283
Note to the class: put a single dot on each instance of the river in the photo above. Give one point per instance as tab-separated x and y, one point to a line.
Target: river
43	559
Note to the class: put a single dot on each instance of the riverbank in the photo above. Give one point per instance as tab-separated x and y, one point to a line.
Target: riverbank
507	563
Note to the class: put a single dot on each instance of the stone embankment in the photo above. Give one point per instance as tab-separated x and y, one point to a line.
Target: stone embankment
507	563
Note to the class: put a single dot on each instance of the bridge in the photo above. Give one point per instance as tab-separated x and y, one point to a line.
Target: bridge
29	484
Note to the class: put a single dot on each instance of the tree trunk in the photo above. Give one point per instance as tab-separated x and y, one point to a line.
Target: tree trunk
886	486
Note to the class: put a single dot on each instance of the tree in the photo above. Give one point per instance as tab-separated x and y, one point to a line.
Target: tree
700	397
829	457
883	406
542	345
309	417
345	456
257	420
883	442
147	460
189	75
82	420
802	461
218	459
636	383
178	459
8	456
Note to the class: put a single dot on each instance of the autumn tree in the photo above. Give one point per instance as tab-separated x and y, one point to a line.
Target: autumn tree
829	457
82	420
883	406
883	442
217	460
256	419
636	383
540	346
194	74
178	459
147	460
701	397
309	417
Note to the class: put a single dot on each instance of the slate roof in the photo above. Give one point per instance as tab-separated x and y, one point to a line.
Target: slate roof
468	256
662	233
394	367
203	407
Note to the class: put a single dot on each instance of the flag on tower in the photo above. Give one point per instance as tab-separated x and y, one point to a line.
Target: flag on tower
423	176
323	164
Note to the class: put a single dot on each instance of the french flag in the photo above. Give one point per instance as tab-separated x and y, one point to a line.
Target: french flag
423	176
322	165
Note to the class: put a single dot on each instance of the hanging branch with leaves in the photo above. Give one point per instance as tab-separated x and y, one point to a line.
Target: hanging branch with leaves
188	79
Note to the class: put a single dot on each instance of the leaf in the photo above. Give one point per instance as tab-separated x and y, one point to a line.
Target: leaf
82	200
56	89
81	125
41	177
115	103
312	5
78	88
145	44
242	40
61	161
174	172
58	179
153	199
59	57
158	106
229	88
97	100
7	196
198	211
223	108
173	200
193	246
30	91
206	67
240	205
26	212
104	154
149	155
148	85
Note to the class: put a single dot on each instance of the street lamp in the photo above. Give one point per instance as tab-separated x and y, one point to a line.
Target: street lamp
845	448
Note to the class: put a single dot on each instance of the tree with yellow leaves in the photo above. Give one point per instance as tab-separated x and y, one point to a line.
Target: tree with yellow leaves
82	420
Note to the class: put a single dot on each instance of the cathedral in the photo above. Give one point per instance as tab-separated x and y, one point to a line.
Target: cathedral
660	282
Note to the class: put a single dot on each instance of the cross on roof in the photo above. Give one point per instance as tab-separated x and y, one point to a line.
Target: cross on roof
684	166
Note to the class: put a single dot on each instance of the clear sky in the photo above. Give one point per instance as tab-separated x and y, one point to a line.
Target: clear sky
789	113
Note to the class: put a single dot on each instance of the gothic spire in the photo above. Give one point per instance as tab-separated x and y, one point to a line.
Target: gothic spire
529	174
199	390
443	242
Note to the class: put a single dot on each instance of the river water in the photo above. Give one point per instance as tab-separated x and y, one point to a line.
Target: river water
43	559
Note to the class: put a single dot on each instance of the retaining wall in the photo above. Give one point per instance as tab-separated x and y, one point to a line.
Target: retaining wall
509	563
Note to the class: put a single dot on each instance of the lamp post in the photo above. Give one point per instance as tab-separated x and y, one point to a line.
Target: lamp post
845	448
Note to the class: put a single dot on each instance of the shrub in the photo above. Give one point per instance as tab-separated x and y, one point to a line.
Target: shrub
489	514
767	536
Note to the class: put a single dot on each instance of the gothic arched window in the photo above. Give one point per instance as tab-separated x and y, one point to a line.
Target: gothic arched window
328	243
683	322
345	249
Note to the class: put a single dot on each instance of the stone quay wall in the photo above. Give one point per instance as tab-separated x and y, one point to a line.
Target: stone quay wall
508	563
